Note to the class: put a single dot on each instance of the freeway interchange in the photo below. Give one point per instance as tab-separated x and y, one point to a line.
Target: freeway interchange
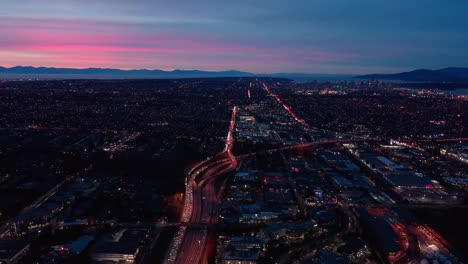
201	203
203	194
194	242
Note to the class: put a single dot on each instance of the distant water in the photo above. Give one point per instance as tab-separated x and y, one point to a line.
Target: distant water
331	78
335	78
461	91
338	78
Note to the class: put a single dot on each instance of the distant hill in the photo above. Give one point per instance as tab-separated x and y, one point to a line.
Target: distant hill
443	75
29	72
46	72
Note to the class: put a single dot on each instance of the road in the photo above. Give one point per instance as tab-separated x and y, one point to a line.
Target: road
287	107
4	229
297	118
202	199
205	202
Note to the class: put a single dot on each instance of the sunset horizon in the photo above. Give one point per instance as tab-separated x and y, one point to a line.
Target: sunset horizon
324	38
233	132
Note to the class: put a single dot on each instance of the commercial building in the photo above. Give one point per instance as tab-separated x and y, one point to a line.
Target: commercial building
124	250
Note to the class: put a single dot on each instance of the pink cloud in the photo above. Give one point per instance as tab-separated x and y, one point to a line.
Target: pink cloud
73	43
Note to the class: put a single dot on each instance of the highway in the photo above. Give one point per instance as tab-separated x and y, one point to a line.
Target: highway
202	196
205	201
202	199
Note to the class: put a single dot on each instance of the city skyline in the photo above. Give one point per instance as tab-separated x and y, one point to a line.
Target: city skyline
322	37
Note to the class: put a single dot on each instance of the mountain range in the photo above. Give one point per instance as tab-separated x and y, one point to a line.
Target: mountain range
117	73
21	72
451	74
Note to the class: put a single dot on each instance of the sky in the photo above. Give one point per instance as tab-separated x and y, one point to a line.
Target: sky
260	36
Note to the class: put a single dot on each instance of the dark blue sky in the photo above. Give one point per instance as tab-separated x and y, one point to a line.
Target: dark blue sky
309	36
